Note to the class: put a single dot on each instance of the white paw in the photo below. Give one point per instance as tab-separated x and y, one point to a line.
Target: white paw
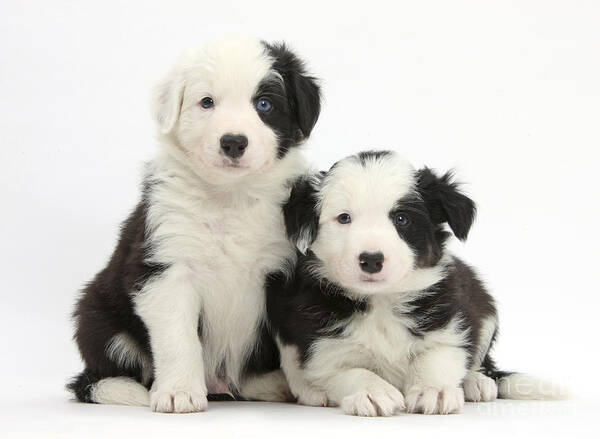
312	396
431	400
381	399
181	401
479	387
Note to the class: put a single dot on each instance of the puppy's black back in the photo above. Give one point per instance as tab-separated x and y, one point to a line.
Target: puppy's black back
105	307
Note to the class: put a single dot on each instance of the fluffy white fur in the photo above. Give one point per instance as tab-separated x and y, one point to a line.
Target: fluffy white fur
524	386
374	364
377	361
479	387
217	226
125	352
271	386
120	391
219	242
228	71
342	368
306	393
367	194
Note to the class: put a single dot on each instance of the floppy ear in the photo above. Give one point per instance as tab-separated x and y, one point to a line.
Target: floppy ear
167	99
306	97
301	213
446	204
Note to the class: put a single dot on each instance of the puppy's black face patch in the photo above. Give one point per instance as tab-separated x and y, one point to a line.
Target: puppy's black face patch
414	225
279	117
294	97
419	217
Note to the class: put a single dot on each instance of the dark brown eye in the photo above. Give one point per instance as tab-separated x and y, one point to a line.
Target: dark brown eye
400	220
344	218
207	102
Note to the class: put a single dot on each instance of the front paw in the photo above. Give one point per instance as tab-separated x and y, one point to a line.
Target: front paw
312	396
431	400
178	401
380	399
479	387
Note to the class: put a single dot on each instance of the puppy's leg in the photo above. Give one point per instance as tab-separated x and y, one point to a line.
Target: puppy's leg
434	382
360	392
271	386
304	392
476	385
119	390
170	308
479	387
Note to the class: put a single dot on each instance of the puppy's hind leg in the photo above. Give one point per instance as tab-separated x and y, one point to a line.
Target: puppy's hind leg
271	386
120	390
305	392
90	387
477	386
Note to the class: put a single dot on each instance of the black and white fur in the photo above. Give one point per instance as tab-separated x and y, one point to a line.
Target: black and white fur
412	326
179	311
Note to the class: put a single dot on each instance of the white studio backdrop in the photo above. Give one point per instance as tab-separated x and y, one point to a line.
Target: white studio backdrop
507	93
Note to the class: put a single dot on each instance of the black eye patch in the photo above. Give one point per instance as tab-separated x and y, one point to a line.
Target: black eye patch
413	223
413	208
274	90
279	117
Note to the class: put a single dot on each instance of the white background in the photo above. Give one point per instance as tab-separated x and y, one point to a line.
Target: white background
508	93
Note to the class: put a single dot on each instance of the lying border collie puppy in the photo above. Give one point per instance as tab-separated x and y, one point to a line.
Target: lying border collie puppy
180	307
378	315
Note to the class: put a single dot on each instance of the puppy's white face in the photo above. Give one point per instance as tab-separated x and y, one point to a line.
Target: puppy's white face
227	108
372	224
358	244
220	86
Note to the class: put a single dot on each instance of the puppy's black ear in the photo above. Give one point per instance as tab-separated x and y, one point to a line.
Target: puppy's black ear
303	91
446	204
301	214
307	102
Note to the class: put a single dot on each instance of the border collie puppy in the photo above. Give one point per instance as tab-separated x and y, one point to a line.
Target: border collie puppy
179	311
378	315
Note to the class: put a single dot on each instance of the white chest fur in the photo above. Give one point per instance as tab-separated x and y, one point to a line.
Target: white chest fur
378	340
226	242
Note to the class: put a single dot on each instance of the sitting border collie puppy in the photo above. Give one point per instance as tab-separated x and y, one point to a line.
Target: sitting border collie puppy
378	316
180	307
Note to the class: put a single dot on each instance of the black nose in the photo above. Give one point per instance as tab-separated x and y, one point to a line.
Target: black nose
371	262
234	145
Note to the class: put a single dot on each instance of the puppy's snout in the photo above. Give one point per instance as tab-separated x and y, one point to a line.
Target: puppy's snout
234	145
371	262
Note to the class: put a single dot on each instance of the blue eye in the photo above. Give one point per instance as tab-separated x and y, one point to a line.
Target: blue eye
401	220
344	218
264	105
207	102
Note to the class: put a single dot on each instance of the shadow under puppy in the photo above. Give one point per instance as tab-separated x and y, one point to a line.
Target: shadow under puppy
377	315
